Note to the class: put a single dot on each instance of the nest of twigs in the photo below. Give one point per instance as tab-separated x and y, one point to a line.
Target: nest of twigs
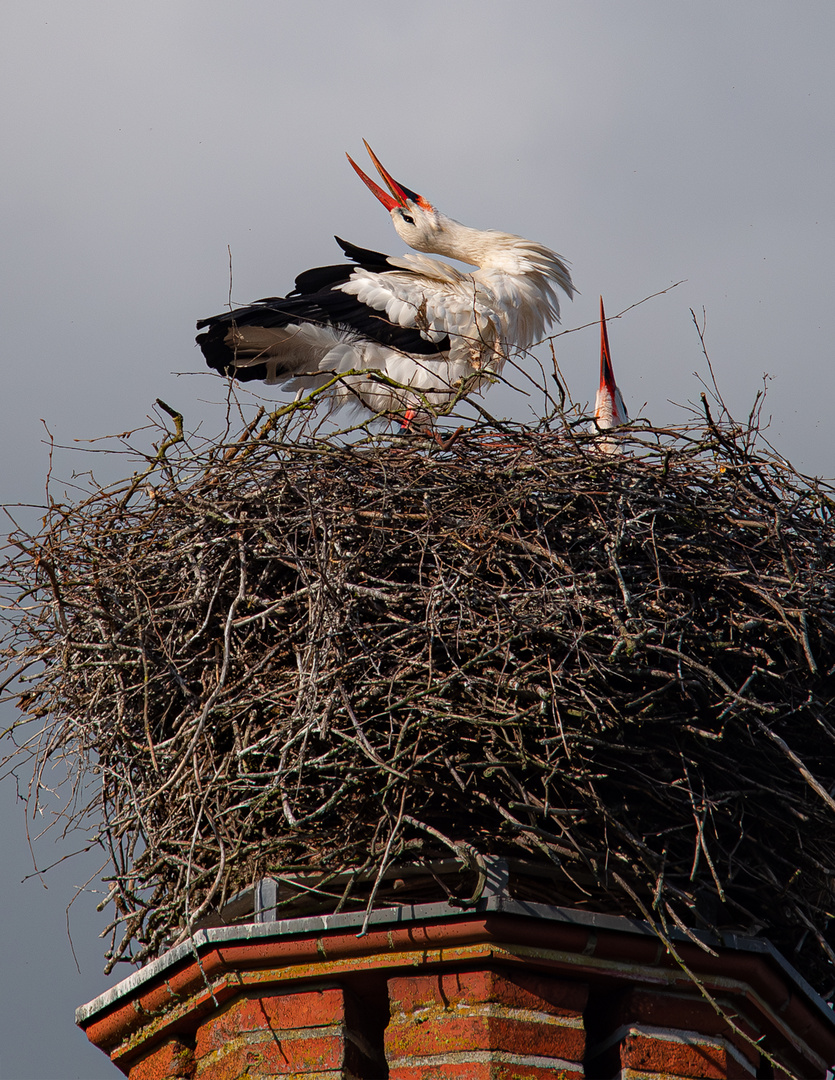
322	662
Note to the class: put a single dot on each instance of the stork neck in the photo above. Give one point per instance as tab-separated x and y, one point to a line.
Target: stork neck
484	249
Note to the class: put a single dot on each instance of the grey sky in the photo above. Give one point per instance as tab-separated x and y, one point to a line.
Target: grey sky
647	142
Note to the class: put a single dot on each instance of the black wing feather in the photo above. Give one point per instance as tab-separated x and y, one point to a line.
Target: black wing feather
315	299
325	277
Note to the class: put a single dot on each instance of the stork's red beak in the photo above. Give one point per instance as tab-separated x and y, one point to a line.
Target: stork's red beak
401	194
607	376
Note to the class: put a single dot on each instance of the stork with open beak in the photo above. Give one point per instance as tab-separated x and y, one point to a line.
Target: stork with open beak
609	409
400	336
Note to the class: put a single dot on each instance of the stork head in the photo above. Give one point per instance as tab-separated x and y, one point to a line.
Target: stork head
415	218
609	409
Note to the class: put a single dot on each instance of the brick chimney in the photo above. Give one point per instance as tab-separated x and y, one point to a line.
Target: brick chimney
509	990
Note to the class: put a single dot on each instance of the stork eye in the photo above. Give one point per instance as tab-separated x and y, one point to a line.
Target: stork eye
408	219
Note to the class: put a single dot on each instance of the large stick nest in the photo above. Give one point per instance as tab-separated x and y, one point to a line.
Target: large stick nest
322	662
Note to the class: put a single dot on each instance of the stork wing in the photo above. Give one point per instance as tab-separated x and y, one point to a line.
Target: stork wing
316	315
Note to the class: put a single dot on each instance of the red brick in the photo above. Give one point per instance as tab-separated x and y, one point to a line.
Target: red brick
687	1012
172	1059
448	1033
304	1009
515	988
266	1055
683	1054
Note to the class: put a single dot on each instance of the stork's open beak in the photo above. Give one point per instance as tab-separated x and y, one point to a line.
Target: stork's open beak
401	195
607	376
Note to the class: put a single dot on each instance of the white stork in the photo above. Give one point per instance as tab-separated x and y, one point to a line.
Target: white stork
609	409
397	335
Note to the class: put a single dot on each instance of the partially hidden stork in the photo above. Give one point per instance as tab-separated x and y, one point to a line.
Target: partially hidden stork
609	408
404	335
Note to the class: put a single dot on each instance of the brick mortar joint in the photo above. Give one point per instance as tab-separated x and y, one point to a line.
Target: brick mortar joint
477	1057
485	1010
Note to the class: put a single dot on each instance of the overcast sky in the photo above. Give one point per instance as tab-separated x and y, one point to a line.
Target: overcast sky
647	142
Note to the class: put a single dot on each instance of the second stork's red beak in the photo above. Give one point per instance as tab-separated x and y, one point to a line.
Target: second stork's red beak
607	375
401	195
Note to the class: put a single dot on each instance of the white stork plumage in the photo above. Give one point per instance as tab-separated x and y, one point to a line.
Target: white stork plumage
609	409
405	335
